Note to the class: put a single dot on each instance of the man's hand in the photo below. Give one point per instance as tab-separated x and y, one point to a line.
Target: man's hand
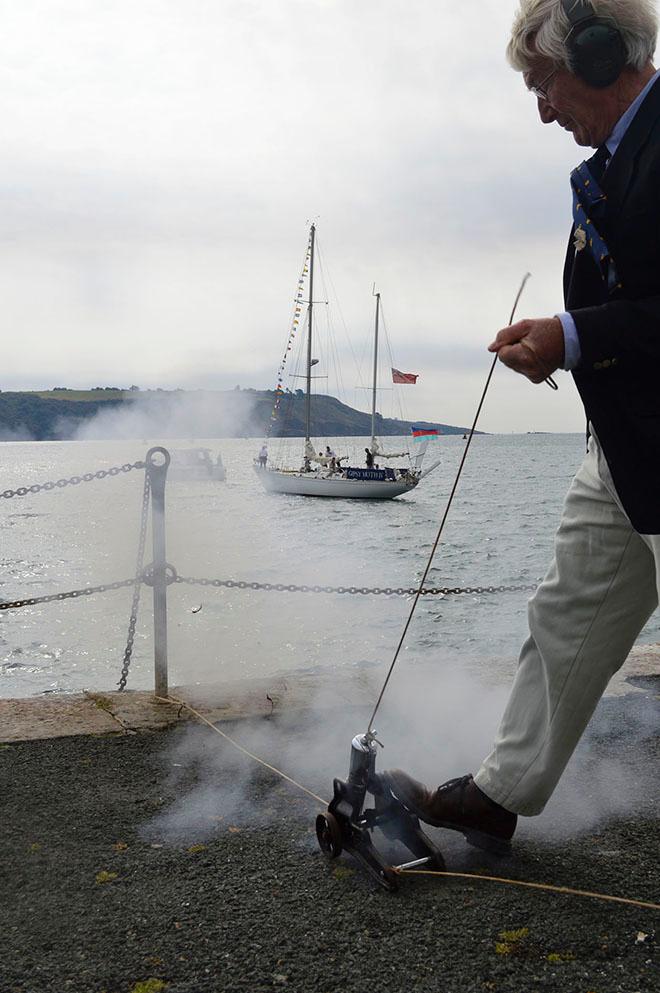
534	348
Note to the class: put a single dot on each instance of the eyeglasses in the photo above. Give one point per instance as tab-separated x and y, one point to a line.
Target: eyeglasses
541	89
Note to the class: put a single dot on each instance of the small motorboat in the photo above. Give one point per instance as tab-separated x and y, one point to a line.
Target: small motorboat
196	463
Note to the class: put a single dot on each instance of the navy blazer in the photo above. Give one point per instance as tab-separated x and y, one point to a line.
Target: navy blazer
619	333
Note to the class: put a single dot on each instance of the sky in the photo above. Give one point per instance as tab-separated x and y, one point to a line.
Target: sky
162	162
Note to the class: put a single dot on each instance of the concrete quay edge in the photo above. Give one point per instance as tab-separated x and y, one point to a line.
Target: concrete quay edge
113	713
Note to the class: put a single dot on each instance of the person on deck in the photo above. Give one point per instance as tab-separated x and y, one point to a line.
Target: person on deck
589	68
263	456
369	459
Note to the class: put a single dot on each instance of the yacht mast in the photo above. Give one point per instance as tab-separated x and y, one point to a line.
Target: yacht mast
375	380
308	396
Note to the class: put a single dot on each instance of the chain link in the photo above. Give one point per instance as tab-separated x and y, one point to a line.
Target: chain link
87	477
137	584
71	595
144	576
239	584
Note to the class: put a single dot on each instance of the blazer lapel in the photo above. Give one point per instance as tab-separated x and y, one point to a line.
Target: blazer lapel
619	173
580	282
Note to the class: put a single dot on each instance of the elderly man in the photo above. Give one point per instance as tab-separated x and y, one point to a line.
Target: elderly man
589	67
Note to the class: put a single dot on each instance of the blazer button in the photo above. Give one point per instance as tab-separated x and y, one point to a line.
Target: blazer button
614	361
598	365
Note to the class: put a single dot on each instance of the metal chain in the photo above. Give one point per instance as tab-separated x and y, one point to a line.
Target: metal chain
71	595
88	477
143	576
137	584
361	590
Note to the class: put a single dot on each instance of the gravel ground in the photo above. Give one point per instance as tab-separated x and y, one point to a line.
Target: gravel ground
135	864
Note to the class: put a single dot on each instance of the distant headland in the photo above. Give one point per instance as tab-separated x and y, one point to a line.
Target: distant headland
110	412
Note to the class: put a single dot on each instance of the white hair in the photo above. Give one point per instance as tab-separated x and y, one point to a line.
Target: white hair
541	27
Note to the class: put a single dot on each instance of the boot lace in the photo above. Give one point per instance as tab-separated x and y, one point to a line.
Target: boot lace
452	784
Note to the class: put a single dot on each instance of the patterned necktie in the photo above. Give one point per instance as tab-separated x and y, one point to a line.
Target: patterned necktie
588	204
597	164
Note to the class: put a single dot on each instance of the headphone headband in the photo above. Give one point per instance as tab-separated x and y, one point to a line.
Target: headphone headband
595	45
577	11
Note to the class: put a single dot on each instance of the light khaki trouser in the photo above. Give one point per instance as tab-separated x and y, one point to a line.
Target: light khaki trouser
583	620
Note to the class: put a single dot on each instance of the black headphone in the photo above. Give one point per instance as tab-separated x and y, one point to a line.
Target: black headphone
595	46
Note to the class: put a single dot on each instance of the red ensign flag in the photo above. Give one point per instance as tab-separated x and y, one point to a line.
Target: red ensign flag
404	377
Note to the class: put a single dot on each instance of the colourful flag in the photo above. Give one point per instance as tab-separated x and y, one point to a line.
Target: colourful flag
423	432
404	377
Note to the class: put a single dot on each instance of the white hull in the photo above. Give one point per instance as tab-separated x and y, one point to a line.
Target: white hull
311	484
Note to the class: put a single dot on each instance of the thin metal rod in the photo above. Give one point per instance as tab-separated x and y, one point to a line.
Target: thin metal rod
549	380
412	865
310	307
444	518
374	386
518	296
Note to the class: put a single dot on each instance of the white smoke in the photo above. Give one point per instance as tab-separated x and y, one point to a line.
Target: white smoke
18	433
436	725
167	415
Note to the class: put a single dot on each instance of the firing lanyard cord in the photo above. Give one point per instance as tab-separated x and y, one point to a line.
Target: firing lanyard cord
534	886
414	872
444	518
205	720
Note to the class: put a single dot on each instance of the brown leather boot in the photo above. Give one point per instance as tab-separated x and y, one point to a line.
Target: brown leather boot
458	804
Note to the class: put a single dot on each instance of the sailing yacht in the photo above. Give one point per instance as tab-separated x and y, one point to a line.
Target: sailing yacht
323	475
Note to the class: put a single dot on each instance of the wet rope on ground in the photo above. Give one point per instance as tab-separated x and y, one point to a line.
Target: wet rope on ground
547	887
536	886
245	751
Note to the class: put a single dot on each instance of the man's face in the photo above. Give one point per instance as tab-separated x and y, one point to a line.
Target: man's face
580	109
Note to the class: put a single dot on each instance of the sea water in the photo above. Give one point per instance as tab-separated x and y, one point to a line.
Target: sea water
499	531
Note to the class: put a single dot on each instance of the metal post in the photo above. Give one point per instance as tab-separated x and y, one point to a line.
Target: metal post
158	460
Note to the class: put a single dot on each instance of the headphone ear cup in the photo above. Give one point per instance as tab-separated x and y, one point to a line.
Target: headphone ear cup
597	54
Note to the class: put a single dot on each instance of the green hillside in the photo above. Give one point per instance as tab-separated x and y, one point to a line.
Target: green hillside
62	414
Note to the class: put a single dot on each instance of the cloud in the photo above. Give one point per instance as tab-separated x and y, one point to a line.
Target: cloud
160	164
